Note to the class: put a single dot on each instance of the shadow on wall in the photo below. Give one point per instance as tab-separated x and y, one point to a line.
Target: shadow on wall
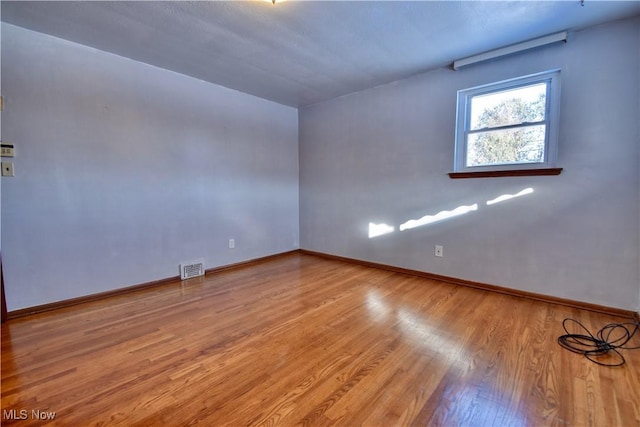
376	230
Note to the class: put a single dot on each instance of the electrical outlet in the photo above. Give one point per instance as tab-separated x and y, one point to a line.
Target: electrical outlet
232	243
7	169
439	251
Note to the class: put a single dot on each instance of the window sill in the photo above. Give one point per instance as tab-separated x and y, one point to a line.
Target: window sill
497	174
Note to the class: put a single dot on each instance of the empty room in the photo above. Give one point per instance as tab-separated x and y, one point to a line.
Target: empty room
348	213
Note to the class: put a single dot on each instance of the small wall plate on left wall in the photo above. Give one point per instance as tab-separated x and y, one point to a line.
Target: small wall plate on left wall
7	169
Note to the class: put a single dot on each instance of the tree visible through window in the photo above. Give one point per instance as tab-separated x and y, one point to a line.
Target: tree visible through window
507	124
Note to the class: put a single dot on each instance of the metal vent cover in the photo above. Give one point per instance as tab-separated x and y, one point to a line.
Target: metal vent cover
191	269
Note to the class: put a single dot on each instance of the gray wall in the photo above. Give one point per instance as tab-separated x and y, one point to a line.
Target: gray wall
124	170
383	155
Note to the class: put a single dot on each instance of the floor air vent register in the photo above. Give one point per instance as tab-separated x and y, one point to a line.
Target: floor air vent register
191	269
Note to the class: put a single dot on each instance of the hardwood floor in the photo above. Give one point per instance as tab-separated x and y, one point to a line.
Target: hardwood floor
302	340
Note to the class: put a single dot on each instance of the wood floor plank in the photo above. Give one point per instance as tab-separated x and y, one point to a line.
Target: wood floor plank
303	340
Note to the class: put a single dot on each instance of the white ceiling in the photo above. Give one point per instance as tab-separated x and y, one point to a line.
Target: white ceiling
302	52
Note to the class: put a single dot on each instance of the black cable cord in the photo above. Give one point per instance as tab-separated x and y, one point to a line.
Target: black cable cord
607	341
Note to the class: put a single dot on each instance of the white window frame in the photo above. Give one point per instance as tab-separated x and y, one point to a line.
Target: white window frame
552	115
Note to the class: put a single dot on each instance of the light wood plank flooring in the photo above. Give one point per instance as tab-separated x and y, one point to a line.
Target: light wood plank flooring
302	340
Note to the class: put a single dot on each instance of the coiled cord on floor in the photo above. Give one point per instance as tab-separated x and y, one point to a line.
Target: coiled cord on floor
607	341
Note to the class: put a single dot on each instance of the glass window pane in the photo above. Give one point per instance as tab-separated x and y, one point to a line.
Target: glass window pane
509	107
506	146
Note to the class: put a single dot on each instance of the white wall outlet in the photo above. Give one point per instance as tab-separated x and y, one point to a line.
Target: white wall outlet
439	251
232	243
7	169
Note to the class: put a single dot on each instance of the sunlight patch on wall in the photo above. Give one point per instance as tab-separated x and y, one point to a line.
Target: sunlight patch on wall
505	197
376	230
440	216
381	229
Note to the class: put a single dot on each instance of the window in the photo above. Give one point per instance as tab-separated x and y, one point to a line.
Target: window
509	125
